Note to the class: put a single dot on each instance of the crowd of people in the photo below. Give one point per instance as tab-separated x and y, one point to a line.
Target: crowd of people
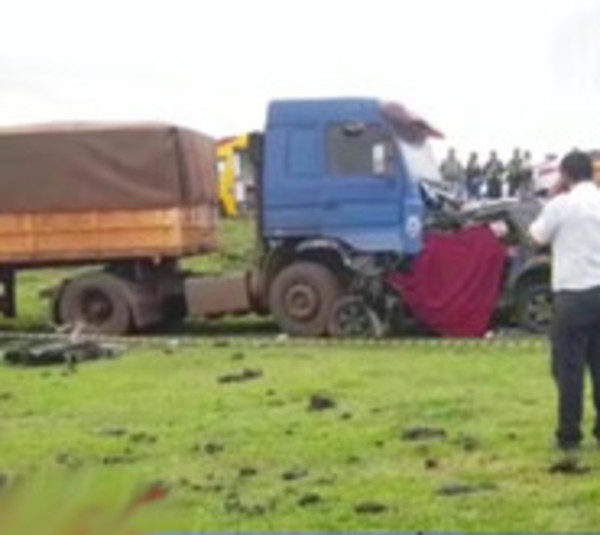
492	179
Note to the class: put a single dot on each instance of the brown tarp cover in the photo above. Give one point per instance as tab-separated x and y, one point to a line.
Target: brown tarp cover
74	168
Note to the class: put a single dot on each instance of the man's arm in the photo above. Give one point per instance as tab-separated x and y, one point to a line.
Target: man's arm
543	229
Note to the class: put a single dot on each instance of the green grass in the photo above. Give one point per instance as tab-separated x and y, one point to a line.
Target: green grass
201	436
161	413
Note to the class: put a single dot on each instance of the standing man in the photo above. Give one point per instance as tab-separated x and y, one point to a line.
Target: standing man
570	224
473	177
514	173
492	172
453	173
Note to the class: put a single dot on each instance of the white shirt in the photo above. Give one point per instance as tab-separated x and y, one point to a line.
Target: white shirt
570	224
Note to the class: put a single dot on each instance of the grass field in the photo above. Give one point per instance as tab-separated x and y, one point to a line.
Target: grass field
282	437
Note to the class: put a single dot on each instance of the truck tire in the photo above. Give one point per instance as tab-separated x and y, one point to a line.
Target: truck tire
534	307
98	302
301	297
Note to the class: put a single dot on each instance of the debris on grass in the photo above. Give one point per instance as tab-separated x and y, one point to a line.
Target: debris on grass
294	474
370	508
69	353
423	433
113	431
247	471
142	437
468	443
211	448
320	402
245	375
431	464
309	499
456	489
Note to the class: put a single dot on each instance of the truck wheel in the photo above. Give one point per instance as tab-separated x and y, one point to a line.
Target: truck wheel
97	301
352	317
534	308
301	297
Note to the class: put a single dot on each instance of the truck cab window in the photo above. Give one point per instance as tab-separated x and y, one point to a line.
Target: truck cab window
356	149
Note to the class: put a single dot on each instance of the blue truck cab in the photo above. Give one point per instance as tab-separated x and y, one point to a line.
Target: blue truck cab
338	187
345	170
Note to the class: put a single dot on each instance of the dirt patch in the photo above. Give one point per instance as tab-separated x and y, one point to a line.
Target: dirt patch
210	448
6	396
293	474
370	508
423	433
238	356
346	416
431	464
115	460
113	431
457	489
69	460
569	466
353	459
247	374
310	499
247	471
468	443
319	402
142	437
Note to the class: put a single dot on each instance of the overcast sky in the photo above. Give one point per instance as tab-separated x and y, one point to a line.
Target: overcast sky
488	73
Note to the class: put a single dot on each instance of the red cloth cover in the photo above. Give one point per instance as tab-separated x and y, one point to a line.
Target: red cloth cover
454	284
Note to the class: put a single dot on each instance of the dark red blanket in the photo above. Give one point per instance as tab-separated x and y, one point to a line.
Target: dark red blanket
454	284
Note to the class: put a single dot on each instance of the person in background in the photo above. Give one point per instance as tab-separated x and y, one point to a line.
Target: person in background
514	173
526	188
453	173
473	177
492	172
570	224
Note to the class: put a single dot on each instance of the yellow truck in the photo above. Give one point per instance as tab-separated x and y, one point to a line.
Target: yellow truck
231	156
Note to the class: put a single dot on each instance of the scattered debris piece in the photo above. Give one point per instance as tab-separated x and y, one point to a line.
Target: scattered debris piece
468	443
245	375
69	353
431	464
456	489
309	499
142	437
320	403
248	471
113	431
212	448
294	474
370	508
423	433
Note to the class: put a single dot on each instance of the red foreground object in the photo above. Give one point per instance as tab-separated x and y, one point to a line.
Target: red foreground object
454	284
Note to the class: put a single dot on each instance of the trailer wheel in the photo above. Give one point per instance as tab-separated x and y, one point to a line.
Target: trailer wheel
534	308
97	301
301	297
352	317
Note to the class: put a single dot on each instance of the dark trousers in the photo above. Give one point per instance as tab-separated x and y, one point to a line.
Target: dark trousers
575	340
